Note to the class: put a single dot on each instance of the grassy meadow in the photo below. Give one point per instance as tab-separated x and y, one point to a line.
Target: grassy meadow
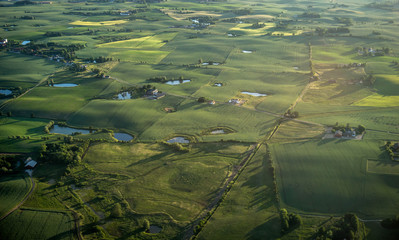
328	62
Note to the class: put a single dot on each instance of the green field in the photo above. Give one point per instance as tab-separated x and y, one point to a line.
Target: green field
322	62
334	174
36	224
13	190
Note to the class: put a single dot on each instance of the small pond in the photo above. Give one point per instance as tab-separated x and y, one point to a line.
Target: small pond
218	84
177	82
5	92
178	140
123	137
230	35
255	94
124	96
155	229
207	63
247	51
65	85
25	43
296	68
67	130
220	131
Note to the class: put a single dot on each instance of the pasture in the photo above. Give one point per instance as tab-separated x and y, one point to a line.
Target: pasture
13	190
248	46
330	177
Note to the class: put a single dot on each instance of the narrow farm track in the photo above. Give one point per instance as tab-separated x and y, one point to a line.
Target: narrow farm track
329	216
23	200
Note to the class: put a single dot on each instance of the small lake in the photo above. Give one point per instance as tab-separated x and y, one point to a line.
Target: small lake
255	94
220	131
218	84
177	82
247	51
124	96
67	130
5	92
65	85
123	137
25	43
178	140
155	229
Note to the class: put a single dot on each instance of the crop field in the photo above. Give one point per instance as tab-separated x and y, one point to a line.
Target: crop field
229	75
36	224
335	167
13	189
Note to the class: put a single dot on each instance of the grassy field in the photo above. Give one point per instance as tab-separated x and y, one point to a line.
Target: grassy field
36	224
153	181
249	211
13	189
24	71
333	172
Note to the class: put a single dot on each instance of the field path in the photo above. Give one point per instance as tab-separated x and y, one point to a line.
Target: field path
189	232
23	200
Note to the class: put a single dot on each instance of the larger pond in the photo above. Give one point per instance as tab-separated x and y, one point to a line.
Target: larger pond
177	82
67	130
65	85
25	43
5	92
255	94
123	137
178	140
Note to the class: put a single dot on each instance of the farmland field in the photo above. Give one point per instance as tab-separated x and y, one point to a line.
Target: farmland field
236	110
334	166
13	190
36	224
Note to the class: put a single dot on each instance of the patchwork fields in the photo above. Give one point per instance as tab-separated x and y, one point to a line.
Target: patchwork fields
236	110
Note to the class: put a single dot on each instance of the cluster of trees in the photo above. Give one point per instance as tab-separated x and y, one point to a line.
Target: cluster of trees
62	153
348	227
48	127
359	130
50	49
163	79
7	163
291	114
205	19
289	221
344	20
390	149
258	25
179	147
323	31
310	15
19	137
